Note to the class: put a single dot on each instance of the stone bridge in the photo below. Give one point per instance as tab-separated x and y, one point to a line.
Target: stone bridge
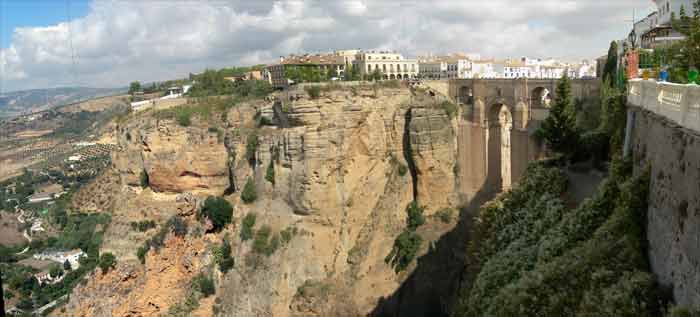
496	131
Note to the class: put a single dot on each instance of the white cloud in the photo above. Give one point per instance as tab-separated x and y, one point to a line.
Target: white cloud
121	41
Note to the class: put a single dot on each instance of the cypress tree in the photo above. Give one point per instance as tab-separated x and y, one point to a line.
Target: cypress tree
559	129
610	68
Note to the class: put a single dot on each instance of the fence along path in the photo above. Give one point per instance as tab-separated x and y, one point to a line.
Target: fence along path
676	102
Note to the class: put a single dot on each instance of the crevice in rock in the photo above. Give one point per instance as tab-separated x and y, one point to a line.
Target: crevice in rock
230	164
280	117
408	152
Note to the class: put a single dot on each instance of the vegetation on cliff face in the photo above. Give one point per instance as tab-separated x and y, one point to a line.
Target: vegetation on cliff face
218	210
408	243
532	256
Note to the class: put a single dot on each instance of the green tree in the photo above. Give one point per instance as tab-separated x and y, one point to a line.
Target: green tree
107	262
559	129
55	270
610	68
247	226
686	53
218	210
134	87
249	193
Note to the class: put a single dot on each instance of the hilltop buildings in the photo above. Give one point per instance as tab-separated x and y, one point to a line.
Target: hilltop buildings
392	65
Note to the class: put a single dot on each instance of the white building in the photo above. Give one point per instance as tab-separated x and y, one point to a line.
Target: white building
73	257
391	65
445	67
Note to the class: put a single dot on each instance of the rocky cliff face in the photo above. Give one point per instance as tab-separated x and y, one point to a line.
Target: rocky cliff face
339	189
175	159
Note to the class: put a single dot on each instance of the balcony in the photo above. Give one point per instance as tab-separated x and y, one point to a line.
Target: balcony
675	102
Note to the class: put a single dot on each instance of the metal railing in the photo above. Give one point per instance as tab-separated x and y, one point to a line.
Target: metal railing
676	102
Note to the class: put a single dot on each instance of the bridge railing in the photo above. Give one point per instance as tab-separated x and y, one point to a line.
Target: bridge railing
676	102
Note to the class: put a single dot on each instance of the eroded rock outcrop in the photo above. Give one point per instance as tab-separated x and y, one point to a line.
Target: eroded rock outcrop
175	159
338	187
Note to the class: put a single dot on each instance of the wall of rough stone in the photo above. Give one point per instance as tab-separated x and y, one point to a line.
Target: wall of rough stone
673	219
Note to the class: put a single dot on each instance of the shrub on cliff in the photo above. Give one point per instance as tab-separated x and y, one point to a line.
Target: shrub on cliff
222	256
313	91
265	241
249	194
407	244
251	146
247	226
107	262
204	285
415	216
143	178
270	173
218	210
405	248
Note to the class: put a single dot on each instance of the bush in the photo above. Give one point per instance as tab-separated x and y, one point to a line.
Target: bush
270	173
178	226
415	216
141	253
405	248
144	179
218	210
204	285
223	256
107	262
407	244
445	215
184	118
402	169
265	242
143	225
313	91
450	108
247	227
249	193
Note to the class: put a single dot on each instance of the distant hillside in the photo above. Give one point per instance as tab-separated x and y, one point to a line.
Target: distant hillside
27	101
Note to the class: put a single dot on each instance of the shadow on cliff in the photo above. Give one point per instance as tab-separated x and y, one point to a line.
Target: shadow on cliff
433	287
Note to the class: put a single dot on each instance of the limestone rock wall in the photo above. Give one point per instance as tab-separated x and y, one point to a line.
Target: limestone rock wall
337	185
177	159
673	219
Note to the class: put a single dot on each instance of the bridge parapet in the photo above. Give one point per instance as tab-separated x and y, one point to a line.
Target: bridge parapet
676	102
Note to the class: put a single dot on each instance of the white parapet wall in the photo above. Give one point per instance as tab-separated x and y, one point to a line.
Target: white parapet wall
676	102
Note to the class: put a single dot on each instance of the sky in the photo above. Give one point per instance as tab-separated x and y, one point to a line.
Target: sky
109	43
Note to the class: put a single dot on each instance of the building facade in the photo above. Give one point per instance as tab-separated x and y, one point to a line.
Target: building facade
391	65
295	68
